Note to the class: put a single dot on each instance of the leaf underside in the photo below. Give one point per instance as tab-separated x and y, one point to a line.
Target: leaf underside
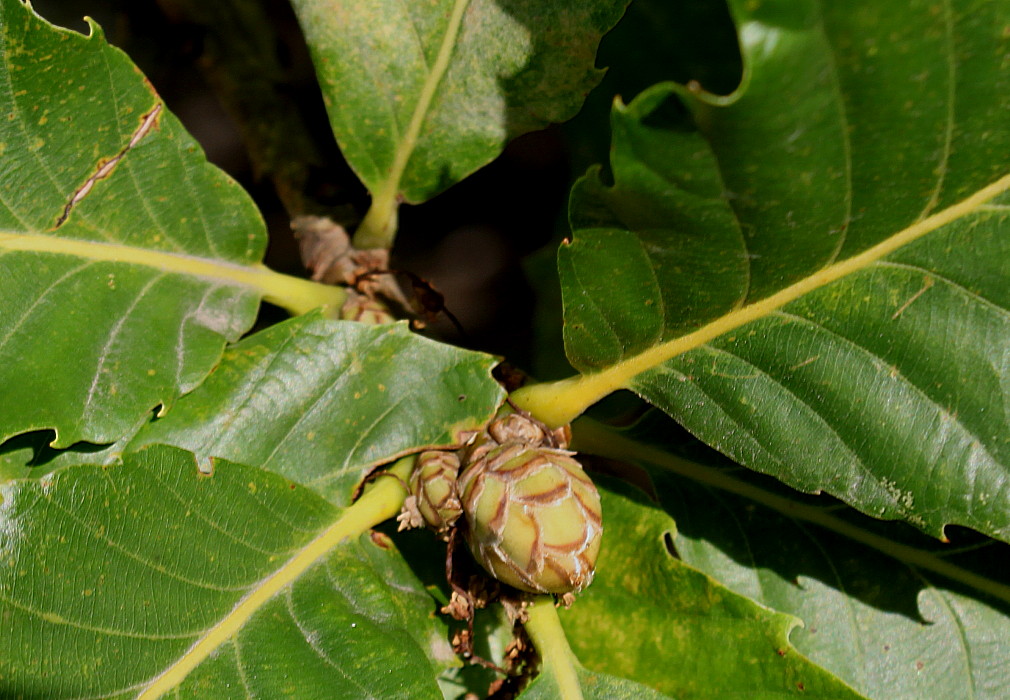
879	371
509	69
97	602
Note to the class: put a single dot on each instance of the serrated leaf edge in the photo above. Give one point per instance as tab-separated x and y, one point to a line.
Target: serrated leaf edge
558	403
594	438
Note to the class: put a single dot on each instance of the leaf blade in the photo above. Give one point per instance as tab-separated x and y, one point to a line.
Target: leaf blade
883	605
639	588
321	402
825	372
120	246
226	546
438	90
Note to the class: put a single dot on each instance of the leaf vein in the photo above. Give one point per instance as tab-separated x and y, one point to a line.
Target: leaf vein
114	332
909	385
93	628
189	506
941	169
38	300
104	537
956	286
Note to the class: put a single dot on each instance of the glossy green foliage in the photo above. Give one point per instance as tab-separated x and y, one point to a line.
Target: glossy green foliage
470	75
113	575
650	617
854	124
858	174
593	686
322	402
880	603
100	187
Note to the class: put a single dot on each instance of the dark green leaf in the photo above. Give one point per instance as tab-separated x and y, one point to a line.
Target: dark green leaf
650	617
820	292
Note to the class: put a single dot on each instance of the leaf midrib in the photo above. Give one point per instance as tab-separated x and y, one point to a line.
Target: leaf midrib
293	293
374	231
594	438
558	403
381	502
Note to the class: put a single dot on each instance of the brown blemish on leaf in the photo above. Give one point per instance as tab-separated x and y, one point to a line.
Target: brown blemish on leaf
927	282
106	166
381	540
812	358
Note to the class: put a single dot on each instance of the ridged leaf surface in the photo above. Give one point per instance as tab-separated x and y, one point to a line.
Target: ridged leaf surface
126	260
814	282
136	579
322	401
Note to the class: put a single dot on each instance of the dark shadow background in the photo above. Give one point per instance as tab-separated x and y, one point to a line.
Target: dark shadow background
468	242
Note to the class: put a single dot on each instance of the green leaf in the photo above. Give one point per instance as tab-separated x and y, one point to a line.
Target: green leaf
30	455
594	686
817	289
323	401
127	260
687	41
560	675
890	611
889	630
421	95
650	617
245	586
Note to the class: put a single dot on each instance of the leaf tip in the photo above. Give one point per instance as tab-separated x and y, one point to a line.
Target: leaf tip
95	29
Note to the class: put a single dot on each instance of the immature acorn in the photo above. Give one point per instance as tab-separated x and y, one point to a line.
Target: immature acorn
433	485
533	517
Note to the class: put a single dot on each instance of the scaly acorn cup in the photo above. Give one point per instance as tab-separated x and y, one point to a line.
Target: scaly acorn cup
533	517
433	485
